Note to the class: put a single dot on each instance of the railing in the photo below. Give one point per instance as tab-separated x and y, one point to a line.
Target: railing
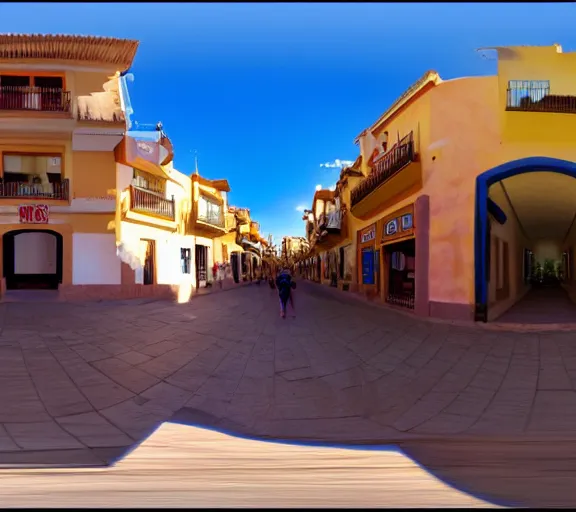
402	300
539	99
14	189
213	219
144	201
34	98
400	155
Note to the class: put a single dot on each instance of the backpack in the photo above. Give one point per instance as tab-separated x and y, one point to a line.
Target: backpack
284	281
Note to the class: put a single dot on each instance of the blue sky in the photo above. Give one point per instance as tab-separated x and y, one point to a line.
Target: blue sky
267	92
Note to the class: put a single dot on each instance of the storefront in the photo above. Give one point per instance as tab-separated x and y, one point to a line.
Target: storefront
368	257
398	244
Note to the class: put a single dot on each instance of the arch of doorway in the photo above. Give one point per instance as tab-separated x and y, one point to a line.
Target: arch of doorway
8	255
483	183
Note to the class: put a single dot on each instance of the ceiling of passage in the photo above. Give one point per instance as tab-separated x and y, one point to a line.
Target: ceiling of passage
545	202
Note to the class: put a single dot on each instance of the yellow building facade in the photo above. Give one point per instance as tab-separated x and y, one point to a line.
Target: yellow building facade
465	185
60	119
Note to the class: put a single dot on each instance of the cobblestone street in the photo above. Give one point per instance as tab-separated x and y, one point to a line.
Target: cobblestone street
81	383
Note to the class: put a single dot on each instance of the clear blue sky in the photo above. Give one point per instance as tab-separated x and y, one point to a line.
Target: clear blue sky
267	92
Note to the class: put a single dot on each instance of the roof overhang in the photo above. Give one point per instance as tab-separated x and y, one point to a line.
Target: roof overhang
430	77
87	139
117	53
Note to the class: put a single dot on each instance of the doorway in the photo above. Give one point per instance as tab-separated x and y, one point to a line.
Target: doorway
401	264
148	248
522	198
234	263
32	259
201	266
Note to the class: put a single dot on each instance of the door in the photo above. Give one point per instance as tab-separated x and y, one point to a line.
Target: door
234	264
377	271
201	266
149	261
368	266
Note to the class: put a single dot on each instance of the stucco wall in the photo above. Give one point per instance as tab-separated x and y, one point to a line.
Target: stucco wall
94	174
511	233
94	259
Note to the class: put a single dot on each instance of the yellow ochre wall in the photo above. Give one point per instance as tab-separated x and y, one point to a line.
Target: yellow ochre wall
94	174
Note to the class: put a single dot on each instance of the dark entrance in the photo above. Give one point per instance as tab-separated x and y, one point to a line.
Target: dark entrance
33	261
201	266
401	263
149	261
234	264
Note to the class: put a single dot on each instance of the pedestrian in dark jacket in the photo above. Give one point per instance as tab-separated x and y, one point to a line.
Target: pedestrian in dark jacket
285	285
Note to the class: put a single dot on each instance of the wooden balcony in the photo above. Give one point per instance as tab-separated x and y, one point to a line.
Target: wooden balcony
395	174
151	203
20	190
34	99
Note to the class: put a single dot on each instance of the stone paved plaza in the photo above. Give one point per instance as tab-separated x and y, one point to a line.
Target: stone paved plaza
81	383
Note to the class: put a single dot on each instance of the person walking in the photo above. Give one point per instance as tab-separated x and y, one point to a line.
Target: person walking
285	285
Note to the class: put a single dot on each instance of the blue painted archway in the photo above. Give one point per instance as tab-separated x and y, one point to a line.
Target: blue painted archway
483	183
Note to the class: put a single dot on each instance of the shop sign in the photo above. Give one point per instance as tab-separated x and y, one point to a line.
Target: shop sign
392	227
399	225
33	214
406	222
368	236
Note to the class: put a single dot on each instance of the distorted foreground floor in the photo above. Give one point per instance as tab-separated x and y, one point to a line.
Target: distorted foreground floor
82	383
190	467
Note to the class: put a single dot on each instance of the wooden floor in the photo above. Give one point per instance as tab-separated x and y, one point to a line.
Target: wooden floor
181	466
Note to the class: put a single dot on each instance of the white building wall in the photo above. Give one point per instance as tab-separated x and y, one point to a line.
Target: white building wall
94	259
168	245
35	253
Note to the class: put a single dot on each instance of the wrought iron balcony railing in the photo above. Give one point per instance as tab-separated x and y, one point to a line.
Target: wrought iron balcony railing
400	155
150	203
15	189
539	99
34	98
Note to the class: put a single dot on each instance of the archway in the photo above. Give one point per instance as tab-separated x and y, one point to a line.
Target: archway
32	259
485	206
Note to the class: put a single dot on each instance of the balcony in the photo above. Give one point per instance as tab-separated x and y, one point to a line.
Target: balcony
24	190
397	173
214	219
150	203
539	99
34	99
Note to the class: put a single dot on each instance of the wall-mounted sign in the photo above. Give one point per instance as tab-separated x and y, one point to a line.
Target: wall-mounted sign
34	214
368	236
406	222
144	147
399	225
392	227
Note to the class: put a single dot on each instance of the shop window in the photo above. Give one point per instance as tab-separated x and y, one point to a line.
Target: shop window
186	260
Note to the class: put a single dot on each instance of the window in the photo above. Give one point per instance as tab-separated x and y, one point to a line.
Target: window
534	90
39	174
149	182
209	211
186	260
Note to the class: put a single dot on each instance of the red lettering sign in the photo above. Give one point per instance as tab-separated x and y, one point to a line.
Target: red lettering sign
33	214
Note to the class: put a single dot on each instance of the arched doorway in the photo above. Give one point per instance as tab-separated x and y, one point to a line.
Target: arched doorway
32	259
486	208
